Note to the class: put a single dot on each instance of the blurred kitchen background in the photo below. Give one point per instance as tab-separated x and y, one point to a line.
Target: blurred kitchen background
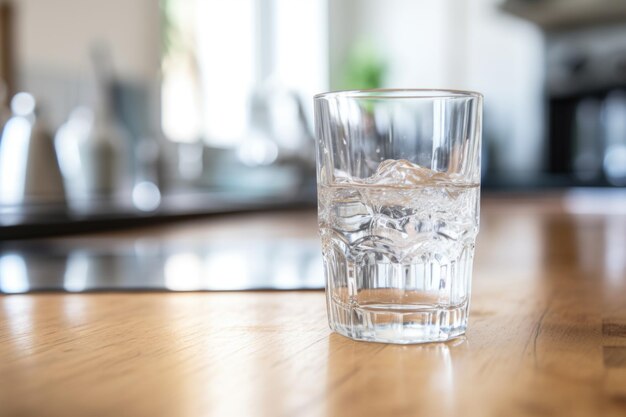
127	111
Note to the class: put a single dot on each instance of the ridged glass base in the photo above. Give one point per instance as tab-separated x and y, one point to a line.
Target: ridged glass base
397	323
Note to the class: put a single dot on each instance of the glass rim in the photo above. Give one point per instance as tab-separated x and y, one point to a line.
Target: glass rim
400	93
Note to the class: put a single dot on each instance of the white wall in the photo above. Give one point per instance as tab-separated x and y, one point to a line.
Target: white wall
410	34
462	44
57	34
506	63
54	38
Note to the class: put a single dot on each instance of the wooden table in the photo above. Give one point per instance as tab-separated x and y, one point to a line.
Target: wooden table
547	336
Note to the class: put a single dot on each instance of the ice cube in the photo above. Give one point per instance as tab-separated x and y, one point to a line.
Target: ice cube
341	176
401	172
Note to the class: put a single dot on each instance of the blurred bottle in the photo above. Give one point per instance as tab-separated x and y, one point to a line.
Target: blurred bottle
70	140
588	141
103	153
94	150
278	147
614	117
5	111
29	170
106	153
146	195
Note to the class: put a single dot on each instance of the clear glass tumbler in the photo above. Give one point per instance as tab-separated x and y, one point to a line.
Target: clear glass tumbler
398	174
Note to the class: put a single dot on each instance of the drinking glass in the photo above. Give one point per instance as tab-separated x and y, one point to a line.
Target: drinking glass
398	176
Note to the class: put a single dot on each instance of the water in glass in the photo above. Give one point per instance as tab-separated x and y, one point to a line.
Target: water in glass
398	248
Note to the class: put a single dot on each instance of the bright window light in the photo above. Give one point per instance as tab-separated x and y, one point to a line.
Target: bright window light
219	54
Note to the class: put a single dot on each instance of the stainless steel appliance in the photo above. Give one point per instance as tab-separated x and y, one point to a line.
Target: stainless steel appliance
585	87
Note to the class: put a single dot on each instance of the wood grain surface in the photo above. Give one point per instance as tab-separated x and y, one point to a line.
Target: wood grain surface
547	336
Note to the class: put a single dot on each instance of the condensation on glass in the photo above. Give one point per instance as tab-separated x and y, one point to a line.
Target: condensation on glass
398	176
